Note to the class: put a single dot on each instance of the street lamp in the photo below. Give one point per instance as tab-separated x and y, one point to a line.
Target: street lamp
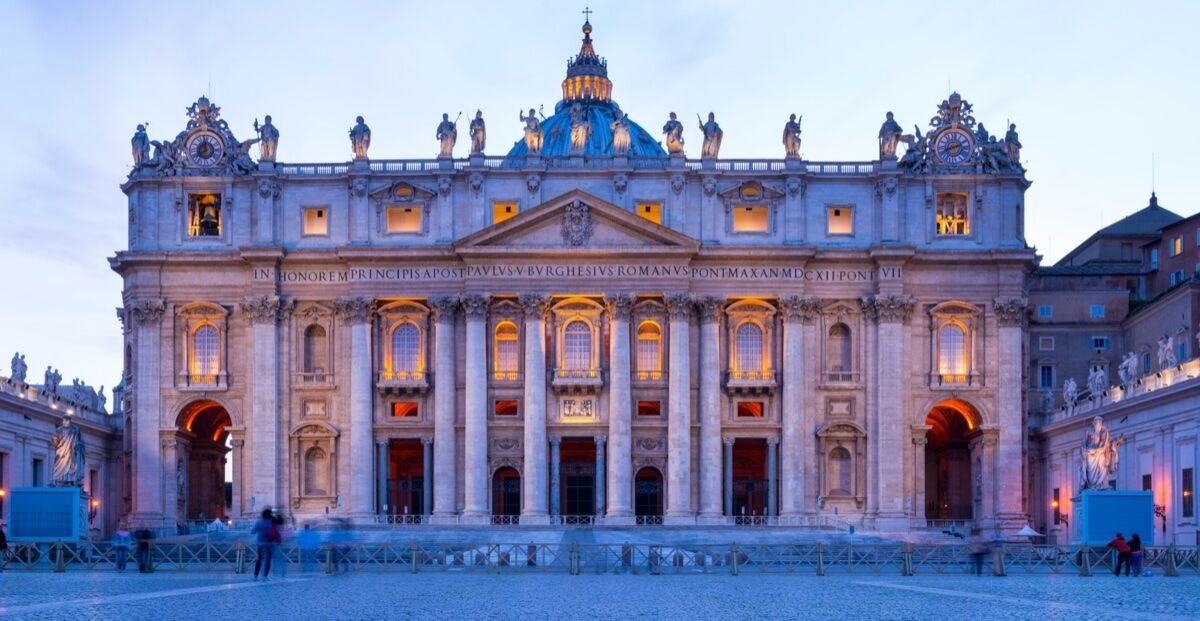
1160	511
3	495
93	507
1062	517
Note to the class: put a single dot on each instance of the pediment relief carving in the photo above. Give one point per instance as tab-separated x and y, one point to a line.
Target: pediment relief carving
750	192
403	192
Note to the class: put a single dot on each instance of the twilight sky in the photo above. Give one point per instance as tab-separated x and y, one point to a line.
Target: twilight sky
1094	87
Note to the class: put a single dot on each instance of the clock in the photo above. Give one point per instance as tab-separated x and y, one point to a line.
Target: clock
205	150
953	147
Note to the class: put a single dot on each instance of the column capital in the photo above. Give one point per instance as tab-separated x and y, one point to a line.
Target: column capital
619	306
710	308
426	441
773	441
444	307
555	440
679	306
797	308
535	304
1011	311
599	440
237	443
354	310
147	312
261	309
382	442
887	308
728	442
474	306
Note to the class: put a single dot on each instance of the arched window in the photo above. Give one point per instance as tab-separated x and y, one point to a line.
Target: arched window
406	349
952	354
749	348
649	350
577	346
840	471
316	472
507	349
316	350
205	353
838	350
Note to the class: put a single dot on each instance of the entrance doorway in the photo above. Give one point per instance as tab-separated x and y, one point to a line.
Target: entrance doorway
506	495
406	478
577	472
648	495
204	493
749	477
948	464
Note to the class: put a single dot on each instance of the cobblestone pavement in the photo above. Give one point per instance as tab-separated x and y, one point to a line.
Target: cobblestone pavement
130	597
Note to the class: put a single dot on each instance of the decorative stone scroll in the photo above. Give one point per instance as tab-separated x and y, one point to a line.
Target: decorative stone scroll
1011	311
795	308
474	306
620	306
147	312
261	309
535	304
354	310
887	308
710	308
679	306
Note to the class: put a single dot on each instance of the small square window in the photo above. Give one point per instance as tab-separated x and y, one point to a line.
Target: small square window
1045	311
404	219
649	408
316	221
503	211
204	215
841	220
506	408
1099	342
1097	311
953	217
750	409
1145	363
750	220
405	409
1046	343
650	211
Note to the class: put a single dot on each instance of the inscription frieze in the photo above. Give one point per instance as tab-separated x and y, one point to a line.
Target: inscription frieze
581	271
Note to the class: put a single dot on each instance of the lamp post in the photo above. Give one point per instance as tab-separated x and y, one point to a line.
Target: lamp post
3	496
93	508
1062	517
1160	511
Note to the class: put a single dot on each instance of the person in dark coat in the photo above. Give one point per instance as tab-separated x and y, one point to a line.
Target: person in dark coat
1135	554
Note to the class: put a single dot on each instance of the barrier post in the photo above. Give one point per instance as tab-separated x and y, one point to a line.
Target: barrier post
998	568
733	553
240	557
1085	564
820	559
906	560
1170	568
60	564
414	550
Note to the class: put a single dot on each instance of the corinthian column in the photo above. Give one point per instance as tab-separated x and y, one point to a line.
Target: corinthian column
533	480
475	501
710	406
795	310
445	415
1008	474
146	318
263	314
356	313
620	411
891	312
679	409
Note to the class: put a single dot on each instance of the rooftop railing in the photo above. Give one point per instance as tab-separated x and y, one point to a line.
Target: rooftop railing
433	165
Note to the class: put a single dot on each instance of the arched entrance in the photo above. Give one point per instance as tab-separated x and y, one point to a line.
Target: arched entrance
506	494
406	477
648	494
204	492
949	464
749	477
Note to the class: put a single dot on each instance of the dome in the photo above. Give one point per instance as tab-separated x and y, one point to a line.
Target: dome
587	85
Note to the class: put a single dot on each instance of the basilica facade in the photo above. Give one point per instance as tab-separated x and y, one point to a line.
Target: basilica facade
595	327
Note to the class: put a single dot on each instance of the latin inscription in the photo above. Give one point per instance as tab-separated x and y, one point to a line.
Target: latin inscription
580	271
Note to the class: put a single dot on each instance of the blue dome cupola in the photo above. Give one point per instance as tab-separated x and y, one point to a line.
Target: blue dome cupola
587	74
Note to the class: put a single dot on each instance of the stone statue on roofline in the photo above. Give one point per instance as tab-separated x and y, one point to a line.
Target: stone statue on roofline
268	137
712	136
889	137
581	130
360	138
533	131
19	368
1097	381
141	146
1070	392
478	133
791	136
447	135
621	137
673	131
1048	400
1166	353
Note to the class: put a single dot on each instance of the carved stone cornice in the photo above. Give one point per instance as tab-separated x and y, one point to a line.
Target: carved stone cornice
354	310
710	308
679	306
261	309
444	307
474	306
147	312
535	304
796	308
620	306
1011	311
887	308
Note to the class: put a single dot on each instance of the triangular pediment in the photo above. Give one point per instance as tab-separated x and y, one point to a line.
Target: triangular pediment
576	223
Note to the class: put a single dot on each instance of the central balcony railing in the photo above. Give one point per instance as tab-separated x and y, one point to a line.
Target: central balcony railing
578	380
956	380
203	381
648	376
313	378
506	376
409	382
841	377
759	381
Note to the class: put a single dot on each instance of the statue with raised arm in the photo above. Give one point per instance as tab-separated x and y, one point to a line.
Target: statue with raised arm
581	130
621	137
1012	145
673	130
478	133
889	137
68	454
791	136
447	135
19	368
533	132
1166	352
1070	392
360	138
268	137
141	146
712	136
1099	452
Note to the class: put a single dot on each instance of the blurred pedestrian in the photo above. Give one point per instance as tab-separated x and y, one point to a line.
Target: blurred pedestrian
3	548
1135	554
1119	544
341	540
306	541
979	548
266	534
143	537
280	552
121	543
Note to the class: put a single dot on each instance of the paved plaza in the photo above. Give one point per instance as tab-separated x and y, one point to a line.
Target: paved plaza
80	596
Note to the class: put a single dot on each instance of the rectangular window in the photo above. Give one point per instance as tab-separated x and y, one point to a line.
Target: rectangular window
750	220
649	408
405	409
952	214
503	211
1099	342
1097	311
1177	277
1182	354
841	220
204	215
750	409
650	211
404	220
36	478
506	408
1154	258
1186	493
1176	246
1046	376
316	221
1045	311
1046	343
1145	363
1147	483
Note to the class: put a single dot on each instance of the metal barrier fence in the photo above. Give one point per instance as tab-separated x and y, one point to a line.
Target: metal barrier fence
816	559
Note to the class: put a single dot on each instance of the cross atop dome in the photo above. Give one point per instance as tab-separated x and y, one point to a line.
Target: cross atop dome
587	74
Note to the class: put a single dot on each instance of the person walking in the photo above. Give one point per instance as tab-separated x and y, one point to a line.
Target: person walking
1135	554
307	541
121	543
143	537
3	548
266	533
284	533
1118	543
979	548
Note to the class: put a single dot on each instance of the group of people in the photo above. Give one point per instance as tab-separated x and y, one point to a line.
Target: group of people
139	540
270	531
1129	553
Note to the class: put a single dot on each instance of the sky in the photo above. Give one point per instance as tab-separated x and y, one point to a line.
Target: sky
1097	89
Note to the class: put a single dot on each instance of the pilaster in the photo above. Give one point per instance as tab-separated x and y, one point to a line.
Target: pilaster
445	414
475	497
148	472
679	421
356	313
620	412
710	311
533	480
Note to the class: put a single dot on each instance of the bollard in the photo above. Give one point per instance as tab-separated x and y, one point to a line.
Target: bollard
1085	565
414	550
150	558
531	554
575	564
329	560
239	566
906	560
998	568
654	559
820	559
733	566
60	564
1170	569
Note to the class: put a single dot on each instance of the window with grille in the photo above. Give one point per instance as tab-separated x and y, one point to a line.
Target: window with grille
406	350
205	354
1099	342
649	351
749	347
577	346
952	355
507	350
1046	373
952	214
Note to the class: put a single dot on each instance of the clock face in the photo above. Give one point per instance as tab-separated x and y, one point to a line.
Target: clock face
953	147
205	150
